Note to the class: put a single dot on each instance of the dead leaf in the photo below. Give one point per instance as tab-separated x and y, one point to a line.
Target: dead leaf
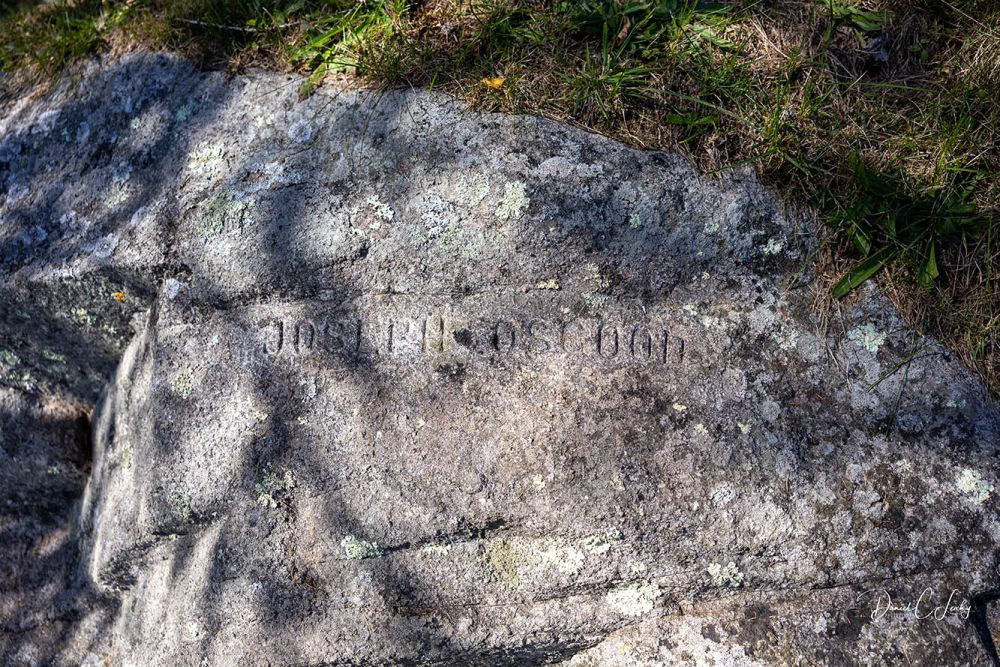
623	33
494	82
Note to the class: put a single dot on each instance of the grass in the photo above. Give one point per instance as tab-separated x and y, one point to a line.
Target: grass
883	115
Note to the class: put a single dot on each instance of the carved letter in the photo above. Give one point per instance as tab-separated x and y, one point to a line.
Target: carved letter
538	335
433	340
305	337
568	333
642	346
342	336
504	336
278	337
607	341
676	343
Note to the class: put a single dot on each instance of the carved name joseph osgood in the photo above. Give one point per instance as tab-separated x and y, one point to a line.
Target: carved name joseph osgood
383	336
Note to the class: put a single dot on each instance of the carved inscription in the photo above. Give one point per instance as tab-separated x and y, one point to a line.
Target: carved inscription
352	336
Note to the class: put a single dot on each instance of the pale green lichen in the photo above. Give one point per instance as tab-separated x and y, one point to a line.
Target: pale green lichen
787	338
514	201
9	358
972	484
701	428
456	241
308	385
680	407
595	300
436	549
690	309
547	284
54	357
117	195
182	384
552	554
126	456
773	247
503	559
473	189
634	599
182	113
594	274
216	211
381	210
744	428
510	559
712	227
207	159
357	549
180	503
274	487
83	317
868	337
634	221
725	576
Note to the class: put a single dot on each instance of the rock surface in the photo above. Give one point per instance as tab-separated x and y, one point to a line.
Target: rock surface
382	381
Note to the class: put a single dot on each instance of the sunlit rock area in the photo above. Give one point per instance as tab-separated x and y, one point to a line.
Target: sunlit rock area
371	379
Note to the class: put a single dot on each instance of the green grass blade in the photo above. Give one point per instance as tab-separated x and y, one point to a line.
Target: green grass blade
862	272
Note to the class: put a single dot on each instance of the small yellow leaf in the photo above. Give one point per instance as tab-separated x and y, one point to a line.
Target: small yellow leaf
118	296
494	82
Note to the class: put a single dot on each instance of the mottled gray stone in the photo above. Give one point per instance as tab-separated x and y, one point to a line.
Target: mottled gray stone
398	383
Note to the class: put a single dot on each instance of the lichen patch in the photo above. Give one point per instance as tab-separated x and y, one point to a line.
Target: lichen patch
514	201
182	384
634	599
971	483
436	549
216	211
773	247
868	337
82	316
274	487
512	559
472	189
356	548
787	338
9	358
381	210
725	576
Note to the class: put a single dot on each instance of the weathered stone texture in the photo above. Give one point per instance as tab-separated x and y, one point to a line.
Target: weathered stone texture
402	384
